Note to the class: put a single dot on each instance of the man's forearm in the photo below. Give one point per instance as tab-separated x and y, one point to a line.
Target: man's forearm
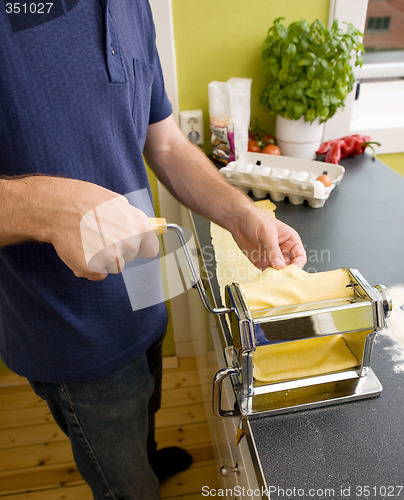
186	171
37	207
23	207
195	181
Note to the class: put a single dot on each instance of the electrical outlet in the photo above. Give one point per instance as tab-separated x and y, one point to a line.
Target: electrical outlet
191	123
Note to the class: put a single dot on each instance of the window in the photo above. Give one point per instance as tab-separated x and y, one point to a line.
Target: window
378	110
384	35
377	24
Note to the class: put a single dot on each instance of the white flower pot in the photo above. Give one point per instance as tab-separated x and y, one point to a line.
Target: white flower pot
298	138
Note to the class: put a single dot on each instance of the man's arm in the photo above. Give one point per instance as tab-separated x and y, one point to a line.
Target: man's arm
195	181
51	210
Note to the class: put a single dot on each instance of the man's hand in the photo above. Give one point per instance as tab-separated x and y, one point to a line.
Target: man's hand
114	233
267	241
95	231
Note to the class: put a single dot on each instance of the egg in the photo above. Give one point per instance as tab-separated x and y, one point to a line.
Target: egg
319	190
324	179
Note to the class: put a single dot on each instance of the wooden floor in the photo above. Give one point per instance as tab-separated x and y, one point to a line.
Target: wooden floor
36	461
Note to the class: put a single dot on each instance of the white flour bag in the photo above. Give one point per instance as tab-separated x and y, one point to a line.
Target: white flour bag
229	117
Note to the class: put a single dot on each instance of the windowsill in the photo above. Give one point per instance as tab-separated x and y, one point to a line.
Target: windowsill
380	114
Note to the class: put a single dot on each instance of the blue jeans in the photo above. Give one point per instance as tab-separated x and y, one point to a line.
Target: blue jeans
110	423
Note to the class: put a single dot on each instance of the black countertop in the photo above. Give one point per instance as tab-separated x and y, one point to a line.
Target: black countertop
350	450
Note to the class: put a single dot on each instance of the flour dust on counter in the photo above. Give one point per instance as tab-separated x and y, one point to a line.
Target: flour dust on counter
395	327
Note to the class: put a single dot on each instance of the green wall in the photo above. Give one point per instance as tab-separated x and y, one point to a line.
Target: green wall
217	40
394	160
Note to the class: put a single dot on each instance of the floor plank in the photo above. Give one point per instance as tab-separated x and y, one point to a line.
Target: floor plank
187	414
183	435
19	417
20	396
78	492
36	455
175	397
191	481
36	478
30	434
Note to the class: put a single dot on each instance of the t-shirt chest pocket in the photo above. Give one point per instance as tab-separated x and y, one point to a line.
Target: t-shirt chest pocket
113	50
144	74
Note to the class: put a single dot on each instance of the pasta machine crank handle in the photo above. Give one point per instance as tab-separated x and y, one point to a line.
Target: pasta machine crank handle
160	227
217	393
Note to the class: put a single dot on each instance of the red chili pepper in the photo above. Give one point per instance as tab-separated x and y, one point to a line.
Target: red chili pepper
322	150
351	145
356	144
333	154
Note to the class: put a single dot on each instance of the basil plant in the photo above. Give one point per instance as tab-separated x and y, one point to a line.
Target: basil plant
308	68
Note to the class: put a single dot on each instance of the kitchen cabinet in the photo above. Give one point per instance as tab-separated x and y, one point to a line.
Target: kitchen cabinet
236	461
238	465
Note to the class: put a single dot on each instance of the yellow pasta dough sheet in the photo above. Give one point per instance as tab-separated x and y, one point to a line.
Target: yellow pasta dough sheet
303	358
232	265
291	285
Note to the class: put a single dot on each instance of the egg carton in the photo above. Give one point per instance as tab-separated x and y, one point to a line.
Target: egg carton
283	176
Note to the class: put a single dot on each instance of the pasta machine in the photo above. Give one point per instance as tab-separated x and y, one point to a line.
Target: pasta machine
335	337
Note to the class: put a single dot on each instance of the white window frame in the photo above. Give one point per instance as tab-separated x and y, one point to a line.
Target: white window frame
163	20
381	112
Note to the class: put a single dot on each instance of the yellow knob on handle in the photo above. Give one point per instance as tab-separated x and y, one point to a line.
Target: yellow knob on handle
159	225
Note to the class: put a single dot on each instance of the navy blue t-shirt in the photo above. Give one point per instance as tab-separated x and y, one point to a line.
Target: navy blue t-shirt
79	86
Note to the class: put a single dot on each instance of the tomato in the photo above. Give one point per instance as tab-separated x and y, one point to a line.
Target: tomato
269	139
271	149
325	180
254	147
253	136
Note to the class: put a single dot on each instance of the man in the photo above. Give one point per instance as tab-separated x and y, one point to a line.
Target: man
81	99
